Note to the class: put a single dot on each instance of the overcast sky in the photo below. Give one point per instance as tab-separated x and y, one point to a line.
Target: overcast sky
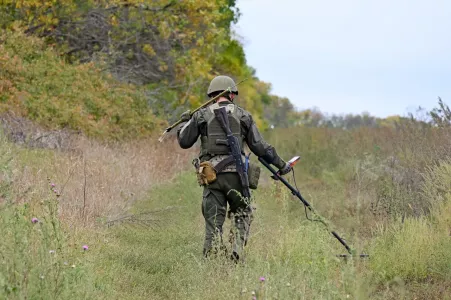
385	57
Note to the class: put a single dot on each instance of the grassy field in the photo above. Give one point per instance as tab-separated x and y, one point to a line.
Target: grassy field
162	259
153	249
117	217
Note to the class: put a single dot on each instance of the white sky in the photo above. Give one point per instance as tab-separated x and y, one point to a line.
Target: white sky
382	56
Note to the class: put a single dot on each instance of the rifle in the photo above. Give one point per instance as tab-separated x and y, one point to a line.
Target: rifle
212	100
234	147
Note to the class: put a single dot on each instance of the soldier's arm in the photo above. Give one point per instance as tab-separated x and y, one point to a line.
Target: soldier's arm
188	134
258	145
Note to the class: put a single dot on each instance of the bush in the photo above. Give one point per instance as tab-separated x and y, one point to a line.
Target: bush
37	84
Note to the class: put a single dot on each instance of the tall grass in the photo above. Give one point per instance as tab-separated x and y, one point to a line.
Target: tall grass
54	202
416	250
164	261
296	257
94	180
381	167
36	260
382	192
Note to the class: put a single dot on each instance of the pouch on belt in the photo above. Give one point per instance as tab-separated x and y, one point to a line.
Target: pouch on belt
206	174
253	174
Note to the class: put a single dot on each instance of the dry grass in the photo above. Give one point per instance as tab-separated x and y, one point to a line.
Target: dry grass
95	180
372	184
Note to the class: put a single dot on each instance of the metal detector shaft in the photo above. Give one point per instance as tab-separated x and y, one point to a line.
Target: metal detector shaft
289	186
341	241
298	194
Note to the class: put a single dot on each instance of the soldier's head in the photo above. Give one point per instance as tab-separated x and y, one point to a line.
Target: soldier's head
221	83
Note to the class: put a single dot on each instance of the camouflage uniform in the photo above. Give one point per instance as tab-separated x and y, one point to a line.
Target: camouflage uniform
218	194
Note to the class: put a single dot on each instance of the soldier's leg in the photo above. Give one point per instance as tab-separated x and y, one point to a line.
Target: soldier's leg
239	235
214	206
240	213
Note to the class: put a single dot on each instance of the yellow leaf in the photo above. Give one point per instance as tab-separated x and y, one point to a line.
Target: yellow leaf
149	50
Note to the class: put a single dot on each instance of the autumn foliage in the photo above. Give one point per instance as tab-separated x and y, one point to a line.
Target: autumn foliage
170	49
36	83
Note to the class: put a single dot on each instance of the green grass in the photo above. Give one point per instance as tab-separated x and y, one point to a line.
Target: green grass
164	261
38	259
158	255
296	257
412	250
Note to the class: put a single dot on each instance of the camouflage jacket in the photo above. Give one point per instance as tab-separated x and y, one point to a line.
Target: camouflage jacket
188	134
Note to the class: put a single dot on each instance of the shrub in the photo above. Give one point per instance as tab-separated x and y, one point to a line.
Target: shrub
37	84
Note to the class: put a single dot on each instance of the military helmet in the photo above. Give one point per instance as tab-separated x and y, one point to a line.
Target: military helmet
222	83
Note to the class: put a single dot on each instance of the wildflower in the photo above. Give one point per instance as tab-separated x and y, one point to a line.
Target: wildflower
41	276
34	220
254	298
55	191
52	251
85	247
262	279
253	293
65	263
52	184
73	266
288	284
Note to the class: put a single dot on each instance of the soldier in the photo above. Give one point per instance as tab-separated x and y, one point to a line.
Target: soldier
214	151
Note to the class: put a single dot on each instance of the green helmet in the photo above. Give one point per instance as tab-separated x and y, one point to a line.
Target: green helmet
222	83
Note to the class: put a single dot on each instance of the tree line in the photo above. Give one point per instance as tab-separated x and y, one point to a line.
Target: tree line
169	49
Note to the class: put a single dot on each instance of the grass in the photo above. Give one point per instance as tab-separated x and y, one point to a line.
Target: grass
38	261
154	252
45	260
385	190
296	257
164	261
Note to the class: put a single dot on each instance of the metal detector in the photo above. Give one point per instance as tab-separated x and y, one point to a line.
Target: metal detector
276	176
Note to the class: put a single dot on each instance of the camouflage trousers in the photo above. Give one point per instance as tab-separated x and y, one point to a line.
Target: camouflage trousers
216	197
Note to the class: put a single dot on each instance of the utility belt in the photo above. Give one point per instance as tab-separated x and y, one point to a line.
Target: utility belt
206	171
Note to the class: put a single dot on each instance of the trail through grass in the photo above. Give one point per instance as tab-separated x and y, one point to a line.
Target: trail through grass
163	261
157	253
294	256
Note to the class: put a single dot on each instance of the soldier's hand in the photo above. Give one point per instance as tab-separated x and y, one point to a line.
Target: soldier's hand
285	170
186	116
